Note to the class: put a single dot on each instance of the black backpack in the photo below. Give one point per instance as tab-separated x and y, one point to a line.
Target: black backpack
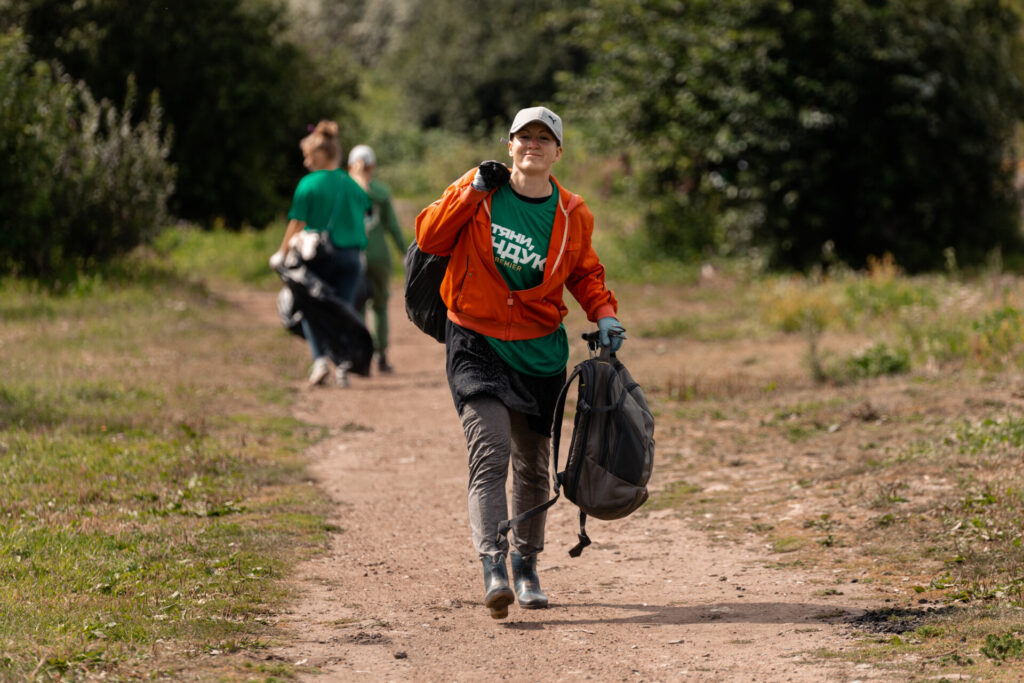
612	448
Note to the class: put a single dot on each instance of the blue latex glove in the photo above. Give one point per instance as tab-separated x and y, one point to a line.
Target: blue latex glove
609	324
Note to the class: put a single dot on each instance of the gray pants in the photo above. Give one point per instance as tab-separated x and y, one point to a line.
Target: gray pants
494	434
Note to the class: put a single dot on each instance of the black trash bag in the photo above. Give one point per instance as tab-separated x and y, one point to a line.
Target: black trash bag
291	317
423	304
337	325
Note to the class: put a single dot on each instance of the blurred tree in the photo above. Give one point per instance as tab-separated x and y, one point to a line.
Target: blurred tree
468	66
237	93
838	128
79	182
367	29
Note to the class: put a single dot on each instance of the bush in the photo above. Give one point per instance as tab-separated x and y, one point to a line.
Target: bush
469	66
79	182
35	111
844	129
236	89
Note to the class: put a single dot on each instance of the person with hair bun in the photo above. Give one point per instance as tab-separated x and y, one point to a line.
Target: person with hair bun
328	200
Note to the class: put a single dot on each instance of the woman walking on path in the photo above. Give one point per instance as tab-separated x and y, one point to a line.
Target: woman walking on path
515	240
381	224
328	200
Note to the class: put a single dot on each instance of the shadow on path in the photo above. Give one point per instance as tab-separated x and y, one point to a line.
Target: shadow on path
731	612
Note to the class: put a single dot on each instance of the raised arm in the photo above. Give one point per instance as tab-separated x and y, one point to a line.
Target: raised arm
438	225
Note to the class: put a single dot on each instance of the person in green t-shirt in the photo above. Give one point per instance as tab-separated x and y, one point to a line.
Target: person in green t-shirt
516	240
328	200
381	225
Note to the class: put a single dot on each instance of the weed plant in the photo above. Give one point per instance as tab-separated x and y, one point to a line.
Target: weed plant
220	254
1003	647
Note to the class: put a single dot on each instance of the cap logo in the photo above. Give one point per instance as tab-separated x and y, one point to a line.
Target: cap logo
541	115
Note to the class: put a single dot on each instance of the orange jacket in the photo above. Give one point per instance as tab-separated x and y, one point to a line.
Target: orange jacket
459	225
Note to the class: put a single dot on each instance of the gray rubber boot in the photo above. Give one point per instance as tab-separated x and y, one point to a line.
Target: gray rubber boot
498	595
524	575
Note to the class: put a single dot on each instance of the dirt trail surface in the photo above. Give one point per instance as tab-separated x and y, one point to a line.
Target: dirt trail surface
397	595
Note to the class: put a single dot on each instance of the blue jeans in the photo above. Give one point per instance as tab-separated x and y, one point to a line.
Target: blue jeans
342	273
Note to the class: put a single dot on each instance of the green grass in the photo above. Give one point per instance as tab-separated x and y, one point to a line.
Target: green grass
222	254
152	485
673	495
927	320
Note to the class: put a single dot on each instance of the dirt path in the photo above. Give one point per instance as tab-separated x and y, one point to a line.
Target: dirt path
397	596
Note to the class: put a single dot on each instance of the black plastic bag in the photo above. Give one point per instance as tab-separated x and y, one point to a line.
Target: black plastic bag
338	326
291	317
423	275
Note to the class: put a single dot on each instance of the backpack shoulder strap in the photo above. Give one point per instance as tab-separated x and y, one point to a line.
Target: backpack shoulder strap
505	526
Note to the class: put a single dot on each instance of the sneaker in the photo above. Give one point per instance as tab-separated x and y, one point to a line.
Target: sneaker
382	363
319	372
341	375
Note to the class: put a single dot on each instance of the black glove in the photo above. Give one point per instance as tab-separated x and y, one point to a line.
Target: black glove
490	175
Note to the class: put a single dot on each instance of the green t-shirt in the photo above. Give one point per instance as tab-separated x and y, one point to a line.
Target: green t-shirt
322	195
382	225
520	235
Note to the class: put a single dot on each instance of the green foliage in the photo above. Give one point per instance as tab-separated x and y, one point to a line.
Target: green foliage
999	335
884	292
471	66
925	320
79	182
368	30
877	361
238	257
820	130
236	91
1003	647
416	163
991	436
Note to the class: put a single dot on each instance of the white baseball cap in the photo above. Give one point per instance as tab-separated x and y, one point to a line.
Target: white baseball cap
363	153
540	115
